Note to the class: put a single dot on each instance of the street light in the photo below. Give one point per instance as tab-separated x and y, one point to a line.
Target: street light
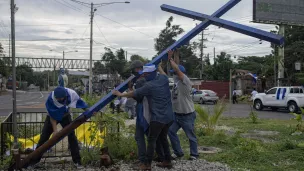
63	53
93	9
110	3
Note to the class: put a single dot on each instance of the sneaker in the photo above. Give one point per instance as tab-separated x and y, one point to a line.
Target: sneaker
193	158
175	157
78	166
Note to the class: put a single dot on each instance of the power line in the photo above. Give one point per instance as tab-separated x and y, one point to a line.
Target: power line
42	25
37	40
81	36
124	25
82	3
102	33
71	5
111	47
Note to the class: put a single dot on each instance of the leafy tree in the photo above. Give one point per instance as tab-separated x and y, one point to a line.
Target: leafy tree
25	72
222	66
258	65
189	60
167	36
138	57
3	69
116	63
99	68
294	50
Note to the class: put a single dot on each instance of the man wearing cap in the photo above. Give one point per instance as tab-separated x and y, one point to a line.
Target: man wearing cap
62	78
57	105
143	115
157	91
183	108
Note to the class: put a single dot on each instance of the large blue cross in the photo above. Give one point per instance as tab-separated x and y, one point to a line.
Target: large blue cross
207	20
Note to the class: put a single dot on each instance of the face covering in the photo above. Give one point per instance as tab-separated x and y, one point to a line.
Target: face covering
151	76
62	101
136	74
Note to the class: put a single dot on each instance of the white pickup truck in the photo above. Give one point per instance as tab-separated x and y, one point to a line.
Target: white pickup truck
280	97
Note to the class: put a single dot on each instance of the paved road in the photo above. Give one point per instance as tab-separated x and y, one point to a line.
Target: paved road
26	102
34	102
243	110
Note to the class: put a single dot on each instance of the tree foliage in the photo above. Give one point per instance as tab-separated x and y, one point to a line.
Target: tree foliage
3	69
138	57
99	68
116	63
167	36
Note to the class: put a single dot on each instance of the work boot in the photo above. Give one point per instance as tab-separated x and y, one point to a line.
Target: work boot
165	164
143	167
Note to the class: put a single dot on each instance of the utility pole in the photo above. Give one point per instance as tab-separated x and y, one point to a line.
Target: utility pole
9	45
13	10
202	55
91	49
126	56
91	34
202	46
54	74
281	58
213	54
63	60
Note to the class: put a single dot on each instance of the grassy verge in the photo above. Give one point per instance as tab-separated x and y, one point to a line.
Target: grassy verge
248	146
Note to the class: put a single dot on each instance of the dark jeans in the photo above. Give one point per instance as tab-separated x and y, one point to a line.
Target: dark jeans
48	130
234	98
141	144
158	132
186	122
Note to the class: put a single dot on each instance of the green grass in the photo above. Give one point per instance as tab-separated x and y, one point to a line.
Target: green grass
281	152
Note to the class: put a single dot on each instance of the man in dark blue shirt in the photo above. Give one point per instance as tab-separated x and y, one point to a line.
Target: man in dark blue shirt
157	91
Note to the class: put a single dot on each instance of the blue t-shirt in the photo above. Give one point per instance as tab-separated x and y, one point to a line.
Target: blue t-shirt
158	94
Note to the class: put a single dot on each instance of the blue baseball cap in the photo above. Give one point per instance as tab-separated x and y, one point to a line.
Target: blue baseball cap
60	92
181	68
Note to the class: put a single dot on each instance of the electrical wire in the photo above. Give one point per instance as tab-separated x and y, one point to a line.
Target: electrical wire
124	25
101	32
37	40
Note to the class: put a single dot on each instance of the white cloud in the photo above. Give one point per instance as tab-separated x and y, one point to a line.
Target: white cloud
50	19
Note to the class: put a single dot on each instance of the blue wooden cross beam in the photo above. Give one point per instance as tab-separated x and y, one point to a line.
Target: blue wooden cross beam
109	97
182	41
250	31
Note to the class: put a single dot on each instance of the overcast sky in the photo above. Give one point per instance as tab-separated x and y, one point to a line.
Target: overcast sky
132	27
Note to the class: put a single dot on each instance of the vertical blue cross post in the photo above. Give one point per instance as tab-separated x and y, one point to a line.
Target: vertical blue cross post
109	97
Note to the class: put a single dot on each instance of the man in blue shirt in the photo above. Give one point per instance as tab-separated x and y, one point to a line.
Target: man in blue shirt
57	105
157	91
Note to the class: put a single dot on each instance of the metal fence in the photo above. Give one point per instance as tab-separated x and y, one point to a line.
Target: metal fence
29	125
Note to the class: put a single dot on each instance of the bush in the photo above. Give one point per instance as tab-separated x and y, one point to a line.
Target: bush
208	121
298	118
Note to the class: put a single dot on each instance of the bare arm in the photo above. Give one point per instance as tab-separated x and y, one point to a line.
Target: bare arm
128	95
54	125
176	57
174	66
160	69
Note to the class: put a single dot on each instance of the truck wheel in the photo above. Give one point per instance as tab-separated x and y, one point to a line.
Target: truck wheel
258	105
292	107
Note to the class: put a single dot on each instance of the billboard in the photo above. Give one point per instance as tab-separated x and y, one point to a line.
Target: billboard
289	12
